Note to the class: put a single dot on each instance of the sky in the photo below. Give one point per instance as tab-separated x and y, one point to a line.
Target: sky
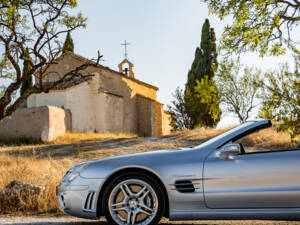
163	36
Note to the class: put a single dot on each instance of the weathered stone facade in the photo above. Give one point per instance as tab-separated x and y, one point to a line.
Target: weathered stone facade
110	102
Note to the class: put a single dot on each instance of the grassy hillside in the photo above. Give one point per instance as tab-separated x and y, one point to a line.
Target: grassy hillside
45	164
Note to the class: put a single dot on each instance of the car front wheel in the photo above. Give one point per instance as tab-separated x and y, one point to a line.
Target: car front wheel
133	198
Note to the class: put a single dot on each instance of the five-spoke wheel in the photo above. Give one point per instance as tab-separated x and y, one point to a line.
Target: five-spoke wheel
133	198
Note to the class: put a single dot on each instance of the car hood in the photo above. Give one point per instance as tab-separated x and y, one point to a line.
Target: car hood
157	153
151	160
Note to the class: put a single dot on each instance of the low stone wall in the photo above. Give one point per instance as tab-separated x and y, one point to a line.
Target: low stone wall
45	123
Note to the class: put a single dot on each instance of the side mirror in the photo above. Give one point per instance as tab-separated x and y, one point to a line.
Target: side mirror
229	151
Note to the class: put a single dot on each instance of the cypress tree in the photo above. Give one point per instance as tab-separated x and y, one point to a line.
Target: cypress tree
69	44
26	68
201	111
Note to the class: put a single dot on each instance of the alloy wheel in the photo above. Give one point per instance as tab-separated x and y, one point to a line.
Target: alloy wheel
133	201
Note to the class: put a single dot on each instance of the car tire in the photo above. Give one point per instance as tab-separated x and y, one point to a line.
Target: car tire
133	198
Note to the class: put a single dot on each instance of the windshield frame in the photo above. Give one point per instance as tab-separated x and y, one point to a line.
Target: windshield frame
236	133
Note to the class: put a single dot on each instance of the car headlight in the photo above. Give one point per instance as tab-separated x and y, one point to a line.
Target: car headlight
73	173
72	177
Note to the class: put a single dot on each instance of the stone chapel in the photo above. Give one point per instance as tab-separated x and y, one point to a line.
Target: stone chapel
109	102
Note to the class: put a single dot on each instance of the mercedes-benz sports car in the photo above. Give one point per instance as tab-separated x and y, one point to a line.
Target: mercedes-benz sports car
215	180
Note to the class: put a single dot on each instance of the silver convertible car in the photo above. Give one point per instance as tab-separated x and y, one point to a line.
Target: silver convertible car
215	180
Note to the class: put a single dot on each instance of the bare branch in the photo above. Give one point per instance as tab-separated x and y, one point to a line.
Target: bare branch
36	26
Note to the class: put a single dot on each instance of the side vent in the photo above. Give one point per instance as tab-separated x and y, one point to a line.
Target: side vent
88	205
185	186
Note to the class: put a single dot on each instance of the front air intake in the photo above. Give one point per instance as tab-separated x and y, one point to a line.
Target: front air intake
184	186
88	205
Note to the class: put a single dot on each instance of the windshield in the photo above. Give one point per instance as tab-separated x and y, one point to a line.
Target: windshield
221	136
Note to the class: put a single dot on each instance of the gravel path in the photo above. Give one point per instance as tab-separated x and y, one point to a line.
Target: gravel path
75	221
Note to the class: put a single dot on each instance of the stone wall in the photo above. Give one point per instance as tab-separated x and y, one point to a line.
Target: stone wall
153	120
57	98
158	118
166	120
146	116
114	84
113	114
80	102
45	123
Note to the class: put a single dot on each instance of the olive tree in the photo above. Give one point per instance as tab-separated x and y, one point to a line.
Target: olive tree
239	88
281	99
264	26
31	32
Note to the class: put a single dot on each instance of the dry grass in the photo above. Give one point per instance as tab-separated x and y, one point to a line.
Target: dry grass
70	138
44	172
45	164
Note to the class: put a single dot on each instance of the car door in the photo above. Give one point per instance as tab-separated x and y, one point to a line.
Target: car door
253	180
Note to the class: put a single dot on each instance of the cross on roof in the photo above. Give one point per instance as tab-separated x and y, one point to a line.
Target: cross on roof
125	44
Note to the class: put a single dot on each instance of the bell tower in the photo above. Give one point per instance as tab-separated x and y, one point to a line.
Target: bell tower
126	67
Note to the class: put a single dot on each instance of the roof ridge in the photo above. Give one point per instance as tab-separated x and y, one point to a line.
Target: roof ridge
109	69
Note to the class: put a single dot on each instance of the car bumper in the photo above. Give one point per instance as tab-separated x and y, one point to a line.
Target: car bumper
79	198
